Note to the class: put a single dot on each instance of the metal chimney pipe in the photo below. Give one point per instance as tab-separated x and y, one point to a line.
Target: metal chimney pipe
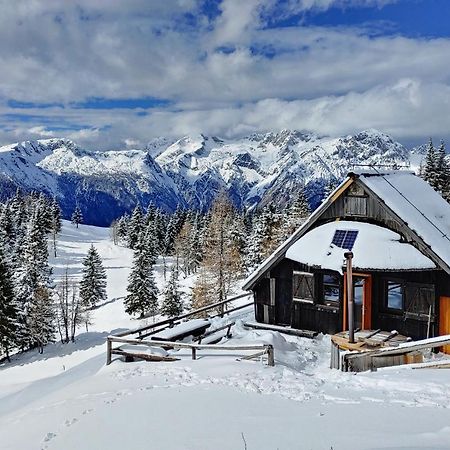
350	302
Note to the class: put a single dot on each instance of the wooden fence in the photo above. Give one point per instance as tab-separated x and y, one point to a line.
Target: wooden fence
264	349
142	332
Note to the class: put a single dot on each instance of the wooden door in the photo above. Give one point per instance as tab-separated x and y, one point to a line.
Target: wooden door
444	320
362	295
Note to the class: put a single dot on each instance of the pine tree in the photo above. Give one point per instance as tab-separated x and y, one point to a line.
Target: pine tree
172	305
135	227
142	291
93	281
443	172
32	284
77	216
122	228
8	313
40	319
295	216
431	171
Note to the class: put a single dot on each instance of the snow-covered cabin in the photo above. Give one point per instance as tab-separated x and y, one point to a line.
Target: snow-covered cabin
398	229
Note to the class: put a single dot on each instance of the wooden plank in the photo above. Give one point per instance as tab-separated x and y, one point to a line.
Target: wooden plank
343	343
408	347
144	356
281	329
185	345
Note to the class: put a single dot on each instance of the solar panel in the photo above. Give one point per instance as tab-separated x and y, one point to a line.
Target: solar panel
345	238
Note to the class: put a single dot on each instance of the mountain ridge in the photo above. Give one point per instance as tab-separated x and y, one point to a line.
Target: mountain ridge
190	171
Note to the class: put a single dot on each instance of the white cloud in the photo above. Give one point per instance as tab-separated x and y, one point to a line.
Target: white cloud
328	80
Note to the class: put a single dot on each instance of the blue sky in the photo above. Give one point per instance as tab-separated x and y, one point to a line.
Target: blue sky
116	74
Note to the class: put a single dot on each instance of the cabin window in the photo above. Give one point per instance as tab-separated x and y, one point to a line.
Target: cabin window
331	289
394	297
303	287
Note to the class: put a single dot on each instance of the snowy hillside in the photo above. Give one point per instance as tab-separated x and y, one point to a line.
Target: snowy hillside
191	171
68	399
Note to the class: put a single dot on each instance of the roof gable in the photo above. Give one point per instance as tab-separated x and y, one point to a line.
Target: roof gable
410	201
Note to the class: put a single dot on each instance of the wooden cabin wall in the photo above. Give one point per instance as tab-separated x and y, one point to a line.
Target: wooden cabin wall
407	324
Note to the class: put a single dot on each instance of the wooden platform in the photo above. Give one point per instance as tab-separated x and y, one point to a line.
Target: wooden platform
369	340
390	350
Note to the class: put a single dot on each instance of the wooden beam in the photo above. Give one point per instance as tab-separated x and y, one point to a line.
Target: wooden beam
286	330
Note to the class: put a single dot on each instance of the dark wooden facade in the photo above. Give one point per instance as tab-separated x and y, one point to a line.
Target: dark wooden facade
406	301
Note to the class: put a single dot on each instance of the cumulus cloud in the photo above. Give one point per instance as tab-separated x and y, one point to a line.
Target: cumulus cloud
227	74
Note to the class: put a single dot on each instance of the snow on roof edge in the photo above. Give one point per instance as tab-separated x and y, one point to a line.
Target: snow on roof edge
279	251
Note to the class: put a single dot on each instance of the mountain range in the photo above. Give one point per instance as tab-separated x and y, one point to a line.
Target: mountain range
190	171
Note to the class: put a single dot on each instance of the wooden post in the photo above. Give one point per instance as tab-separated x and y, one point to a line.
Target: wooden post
270	356
194	353
350	307
108	351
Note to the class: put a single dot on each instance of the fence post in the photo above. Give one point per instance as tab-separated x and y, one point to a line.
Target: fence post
270	356
108	351
194	353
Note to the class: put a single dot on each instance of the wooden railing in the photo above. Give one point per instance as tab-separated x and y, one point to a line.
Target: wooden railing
264	349
148	330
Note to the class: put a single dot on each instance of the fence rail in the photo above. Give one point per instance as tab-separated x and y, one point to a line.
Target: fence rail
263	348
148	330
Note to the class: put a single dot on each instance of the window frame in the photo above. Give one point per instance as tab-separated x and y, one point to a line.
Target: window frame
397	281
334	303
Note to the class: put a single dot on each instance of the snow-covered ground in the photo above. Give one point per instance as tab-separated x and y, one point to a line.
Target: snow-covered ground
68	399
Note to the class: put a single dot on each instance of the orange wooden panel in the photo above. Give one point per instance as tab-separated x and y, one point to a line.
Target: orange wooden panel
444	320
367	303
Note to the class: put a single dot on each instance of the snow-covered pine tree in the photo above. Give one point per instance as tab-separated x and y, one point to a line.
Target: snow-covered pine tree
172	302
135	226
443	172
122	228
265	236
32	284
142	295
431	171
56	223
77	216
295	216
93	280
8	312
55	211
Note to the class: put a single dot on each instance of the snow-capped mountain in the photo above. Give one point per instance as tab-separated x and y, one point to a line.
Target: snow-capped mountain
192	170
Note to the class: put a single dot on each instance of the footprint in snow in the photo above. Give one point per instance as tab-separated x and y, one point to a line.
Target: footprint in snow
48	437
87	411
69	423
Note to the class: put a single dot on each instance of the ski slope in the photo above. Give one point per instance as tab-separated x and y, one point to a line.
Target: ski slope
68	399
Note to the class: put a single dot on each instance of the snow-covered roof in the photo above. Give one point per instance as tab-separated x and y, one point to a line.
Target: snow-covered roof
416	203
375	248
